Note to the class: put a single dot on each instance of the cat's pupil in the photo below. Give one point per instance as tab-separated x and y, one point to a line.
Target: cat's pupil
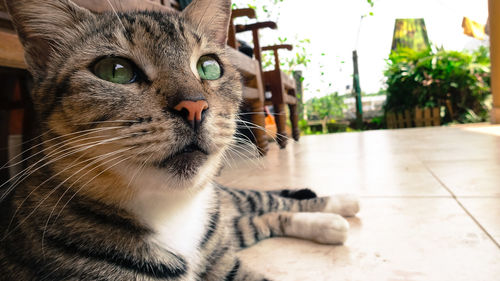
209	68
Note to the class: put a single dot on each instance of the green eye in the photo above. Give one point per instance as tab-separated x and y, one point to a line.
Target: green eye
116	70
208	68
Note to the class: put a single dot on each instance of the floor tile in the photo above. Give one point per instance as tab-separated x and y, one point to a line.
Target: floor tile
330	165
469	178
487	212
410	226
392	239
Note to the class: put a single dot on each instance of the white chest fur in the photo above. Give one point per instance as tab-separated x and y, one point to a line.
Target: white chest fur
178	220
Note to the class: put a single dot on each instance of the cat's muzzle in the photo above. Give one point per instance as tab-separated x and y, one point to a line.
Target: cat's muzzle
186	160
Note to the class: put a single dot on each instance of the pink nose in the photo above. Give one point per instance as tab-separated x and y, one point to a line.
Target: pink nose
192	111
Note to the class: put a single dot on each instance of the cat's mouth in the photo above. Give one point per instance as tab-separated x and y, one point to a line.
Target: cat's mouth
185	161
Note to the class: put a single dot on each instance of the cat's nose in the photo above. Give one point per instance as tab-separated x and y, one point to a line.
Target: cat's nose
192	111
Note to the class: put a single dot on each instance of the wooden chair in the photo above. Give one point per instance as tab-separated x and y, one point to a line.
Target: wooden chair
254	85
12	90
281	86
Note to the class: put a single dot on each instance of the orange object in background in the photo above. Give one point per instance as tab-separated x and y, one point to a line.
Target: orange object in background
269	118
270	124
473	29
271	129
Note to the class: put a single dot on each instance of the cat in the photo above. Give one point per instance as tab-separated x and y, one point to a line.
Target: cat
136	111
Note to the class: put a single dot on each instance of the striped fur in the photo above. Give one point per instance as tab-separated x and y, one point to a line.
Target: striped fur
108	193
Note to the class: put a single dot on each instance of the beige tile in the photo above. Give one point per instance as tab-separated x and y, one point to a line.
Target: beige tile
485	129
392	239
455	144
428	237
487	212
329	164
469	178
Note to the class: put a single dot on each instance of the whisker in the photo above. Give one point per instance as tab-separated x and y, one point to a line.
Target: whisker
259	112
108	121
41	202
116	14
21	176
30	140
251	132
238	154
248	149
45	181
253	125
251	113
54	153
89	181
85	167
141	166
87	132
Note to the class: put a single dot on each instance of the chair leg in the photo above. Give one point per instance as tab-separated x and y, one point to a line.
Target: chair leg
294	119
258	118
4	145
8	83
280	117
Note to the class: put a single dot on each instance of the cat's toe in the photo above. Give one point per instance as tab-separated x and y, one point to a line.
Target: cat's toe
346	205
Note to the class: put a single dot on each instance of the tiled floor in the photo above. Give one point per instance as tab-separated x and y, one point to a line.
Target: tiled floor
430	204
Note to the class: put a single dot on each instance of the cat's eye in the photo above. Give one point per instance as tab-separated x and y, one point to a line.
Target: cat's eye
116	70
209	68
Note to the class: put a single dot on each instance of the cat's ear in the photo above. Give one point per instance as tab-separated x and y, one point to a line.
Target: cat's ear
45	28
211	16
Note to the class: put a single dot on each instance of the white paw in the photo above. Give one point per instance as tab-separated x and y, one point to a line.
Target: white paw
319	227
346	205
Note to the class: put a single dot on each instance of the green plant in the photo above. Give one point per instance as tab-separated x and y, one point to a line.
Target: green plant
457	81
330	106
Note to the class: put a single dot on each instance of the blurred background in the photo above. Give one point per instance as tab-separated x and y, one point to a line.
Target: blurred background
446	39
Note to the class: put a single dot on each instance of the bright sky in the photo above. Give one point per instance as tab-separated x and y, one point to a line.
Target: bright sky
332	27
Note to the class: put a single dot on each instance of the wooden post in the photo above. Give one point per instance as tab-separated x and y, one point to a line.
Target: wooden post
390	119
299	93
427	117
408	119
419	119
357	91
258	118
8	85
436	116
494	17
280	118
401	120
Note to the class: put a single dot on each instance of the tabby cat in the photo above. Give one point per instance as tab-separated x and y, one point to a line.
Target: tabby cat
136	111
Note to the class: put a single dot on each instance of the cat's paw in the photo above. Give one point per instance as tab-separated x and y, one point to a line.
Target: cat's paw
319	227
346	205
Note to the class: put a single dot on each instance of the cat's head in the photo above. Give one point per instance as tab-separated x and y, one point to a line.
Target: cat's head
133	90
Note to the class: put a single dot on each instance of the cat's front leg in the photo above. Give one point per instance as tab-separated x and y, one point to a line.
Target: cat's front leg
323	228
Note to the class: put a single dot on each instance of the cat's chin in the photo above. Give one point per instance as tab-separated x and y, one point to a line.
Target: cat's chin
186	162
